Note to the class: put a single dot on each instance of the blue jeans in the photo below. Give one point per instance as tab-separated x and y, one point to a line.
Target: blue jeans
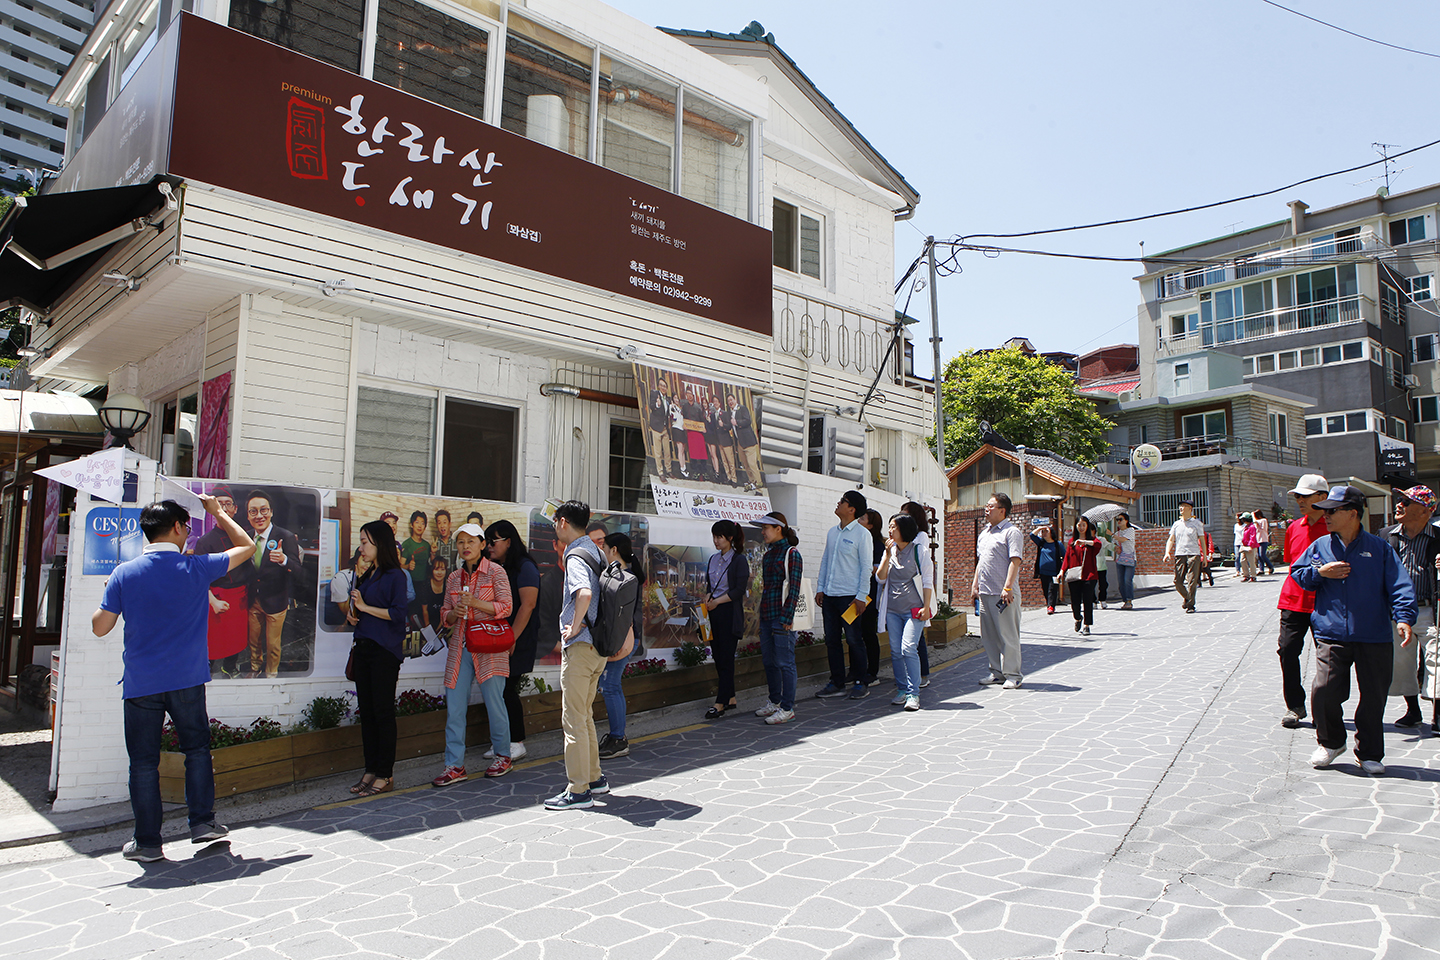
457	707
614	695
777	652
833	612
144	718
1263	561
906	635
1127	582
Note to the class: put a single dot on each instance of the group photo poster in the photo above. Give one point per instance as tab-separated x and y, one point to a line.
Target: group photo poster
424	530
702	446
262	613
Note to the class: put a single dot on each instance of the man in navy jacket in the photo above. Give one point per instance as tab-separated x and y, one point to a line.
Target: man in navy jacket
1360	587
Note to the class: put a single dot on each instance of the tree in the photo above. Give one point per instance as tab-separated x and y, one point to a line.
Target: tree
1026	399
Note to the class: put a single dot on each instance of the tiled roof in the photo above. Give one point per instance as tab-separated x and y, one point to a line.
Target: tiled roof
1068	470
1115	386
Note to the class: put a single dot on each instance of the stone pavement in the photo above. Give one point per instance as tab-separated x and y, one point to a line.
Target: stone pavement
1136	798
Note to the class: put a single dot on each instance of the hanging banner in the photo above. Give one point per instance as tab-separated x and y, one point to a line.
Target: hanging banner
112	536
702	446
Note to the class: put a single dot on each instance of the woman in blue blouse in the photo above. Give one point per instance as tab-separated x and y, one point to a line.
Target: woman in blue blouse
1049	552
378	605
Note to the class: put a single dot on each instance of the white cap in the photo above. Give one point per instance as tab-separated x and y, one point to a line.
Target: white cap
1311	483
471	528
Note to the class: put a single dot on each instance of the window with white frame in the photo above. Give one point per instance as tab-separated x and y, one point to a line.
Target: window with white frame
1423	348
1279	428
1163	509
1211	423
1418	287
1346	351
1425	409
1349	421
435	443
1399	429
1409	230
1395	368
1299	301
798	236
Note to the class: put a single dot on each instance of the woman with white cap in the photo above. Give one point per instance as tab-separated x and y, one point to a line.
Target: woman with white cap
477	591
780	570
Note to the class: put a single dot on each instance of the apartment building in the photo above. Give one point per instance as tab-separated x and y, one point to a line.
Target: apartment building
38	39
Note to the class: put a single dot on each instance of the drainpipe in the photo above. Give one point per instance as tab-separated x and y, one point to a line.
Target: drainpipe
1024	488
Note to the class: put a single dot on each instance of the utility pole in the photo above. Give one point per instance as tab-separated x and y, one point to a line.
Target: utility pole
935	343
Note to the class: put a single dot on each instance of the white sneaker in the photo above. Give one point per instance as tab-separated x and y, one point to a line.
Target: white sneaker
490	754
517	750
1324	756
768	709
1011	685
899	700
1104	605
780	716
924	682
1373	767
912	703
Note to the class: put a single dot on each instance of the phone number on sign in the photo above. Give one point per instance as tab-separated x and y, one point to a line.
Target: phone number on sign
669	291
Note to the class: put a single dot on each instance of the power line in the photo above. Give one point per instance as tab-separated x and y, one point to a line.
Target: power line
1358	36
1203	206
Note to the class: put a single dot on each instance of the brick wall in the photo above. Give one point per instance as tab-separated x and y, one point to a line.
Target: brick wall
961	528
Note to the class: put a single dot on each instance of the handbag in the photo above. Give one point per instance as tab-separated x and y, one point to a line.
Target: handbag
487	636
1073	574
804	602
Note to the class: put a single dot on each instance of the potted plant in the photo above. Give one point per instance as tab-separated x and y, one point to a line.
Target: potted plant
949	625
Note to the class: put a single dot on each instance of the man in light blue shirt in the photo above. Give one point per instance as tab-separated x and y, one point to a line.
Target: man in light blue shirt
844	586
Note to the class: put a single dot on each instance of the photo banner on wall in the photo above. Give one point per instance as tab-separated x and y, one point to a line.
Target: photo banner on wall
702	446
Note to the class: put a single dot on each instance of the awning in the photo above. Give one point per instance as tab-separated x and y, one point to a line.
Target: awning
52	414
49	242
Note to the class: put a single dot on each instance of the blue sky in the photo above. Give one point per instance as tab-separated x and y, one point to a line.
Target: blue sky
1038	114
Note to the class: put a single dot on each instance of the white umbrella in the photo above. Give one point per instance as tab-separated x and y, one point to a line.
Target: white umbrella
1104	512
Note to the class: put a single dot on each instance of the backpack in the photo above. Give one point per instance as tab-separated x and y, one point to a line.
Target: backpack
613	606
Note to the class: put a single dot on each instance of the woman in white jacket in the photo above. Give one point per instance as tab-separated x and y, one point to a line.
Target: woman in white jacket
907	593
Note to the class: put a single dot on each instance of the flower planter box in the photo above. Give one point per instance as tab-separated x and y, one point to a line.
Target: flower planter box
943	632
321	753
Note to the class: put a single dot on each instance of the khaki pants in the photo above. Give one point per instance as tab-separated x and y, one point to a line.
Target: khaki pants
580	669
270	625
752	464
1405	679
660	444
1187	578
727	457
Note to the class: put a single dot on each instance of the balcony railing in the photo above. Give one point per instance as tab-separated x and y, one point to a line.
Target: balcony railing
1184	283
1274	323
833	336
1232	448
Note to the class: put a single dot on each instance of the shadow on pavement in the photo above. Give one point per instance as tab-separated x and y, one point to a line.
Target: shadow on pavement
214	864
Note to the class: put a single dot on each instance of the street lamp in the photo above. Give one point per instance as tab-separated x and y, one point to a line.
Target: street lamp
124	416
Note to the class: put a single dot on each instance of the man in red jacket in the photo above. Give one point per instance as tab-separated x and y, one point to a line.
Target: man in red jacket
1295	603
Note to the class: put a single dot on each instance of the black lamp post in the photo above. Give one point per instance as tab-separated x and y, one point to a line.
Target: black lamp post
124	416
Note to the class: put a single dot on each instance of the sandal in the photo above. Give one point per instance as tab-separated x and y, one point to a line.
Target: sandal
365	781
373	788
714	713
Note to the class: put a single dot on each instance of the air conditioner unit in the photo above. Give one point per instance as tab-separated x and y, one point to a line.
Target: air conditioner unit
1125	395
782	434
844	449
1412	382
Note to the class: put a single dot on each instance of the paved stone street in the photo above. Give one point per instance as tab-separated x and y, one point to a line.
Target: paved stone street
1137	798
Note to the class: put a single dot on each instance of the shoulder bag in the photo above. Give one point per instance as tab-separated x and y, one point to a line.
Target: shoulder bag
486	636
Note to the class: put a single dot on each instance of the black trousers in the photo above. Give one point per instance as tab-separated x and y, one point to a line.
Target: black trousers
512	706
722	648
1374	665
1082	600
1104	590
870	630
1293	626
838	636
377	671
1051	588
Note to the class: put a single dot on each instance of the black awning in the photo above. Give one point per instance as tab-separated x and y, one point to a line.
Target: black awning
49	242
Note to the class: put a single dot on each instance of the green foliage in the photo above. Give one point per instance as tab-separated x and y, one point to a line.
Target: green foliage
325	713
691	654
1028	400
531	682
943	610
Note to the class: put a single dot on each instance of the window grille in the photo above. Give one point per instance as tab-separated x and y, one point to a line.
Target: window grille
1163	509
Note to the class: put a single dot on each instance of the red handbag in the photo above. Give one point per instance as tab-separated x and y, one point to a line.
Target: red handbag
487	636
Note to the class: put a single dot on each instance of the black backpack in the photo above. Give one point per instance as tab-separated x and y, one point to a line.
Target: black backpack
612	609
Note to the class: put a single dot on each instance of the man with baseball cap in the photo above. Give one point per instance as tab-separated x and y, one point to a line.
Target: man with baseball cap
1360	588
1417	543
1295	601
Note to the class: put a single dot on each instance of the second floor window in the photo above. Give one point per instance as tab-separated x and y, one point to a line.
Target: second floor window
798	237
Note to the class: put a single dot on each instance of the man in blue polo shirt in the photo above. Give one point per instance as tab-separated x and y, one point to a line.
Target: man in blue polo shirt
164	596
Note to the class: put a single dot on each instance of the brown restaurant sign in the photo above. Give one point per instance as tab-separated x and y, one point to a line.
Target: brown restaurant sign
262	120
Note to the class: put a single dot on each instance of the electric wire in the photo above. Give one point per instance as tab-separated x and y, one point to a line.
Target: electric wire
1358	36
1203	206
